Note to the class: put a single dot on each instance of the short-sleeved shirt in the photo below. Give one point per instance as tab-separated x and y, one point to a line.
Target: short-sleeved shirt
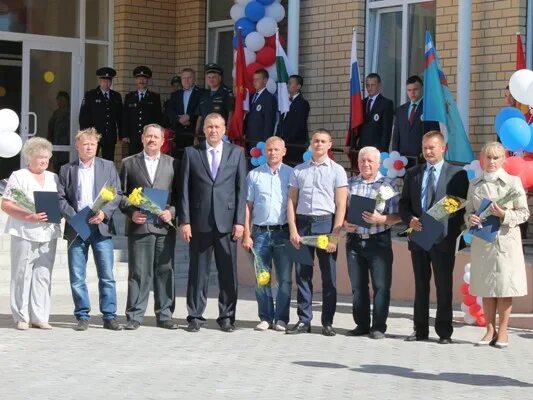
316	184
268	191
33	231
360	187
220	102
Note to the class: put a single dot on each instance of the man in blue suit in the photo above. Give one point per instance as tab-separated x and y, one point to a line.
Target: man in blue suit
260	120
211	215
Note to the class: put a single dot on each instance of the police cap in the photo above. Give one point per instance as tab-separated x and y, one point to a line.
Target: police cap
142	70
105	73
212	67
175	78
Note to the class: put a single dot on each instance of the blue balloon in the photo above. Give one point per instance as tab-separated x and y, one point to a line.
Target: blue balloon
261	160
384	155
307	156
515	134
529	147
266	2
467	237
246	26
383	170
504	114
471	174
254	161
260	145
254	11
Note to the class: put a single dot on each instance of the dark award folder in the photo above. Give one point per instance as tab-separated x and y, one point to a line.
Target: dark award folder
489	227
159	197
48	202
432	231
301	255
80	223
358	205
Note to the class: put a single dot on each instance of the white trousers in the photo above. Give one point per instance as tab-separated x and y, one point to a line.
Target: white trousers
31	277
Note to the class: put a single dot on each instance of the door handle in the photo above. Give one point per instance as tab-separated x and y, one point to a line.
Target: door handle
34	124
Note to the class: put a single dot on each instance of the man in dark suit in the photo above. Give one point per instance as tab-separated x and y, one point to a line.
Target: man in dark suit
211	217
181	111
424	185
408	125
101	108
80	182
376	130
260	120
292	127
151	241
141	107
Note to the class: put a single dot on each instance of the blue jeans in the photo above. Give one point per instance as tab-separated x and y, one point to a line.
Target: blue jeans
77	264
370	256
269	246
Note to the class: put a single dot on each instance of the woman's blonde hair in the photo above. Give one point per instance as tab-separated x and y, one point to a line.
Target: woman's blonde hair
493	149
35	145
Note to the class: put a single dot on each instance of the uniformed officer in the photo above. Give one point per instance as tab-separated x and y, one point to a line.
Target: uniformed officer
217	99
175	83
101	108
141	107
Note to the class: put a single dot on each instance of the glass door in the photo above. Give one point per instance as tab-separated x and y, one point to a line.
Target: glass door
50	95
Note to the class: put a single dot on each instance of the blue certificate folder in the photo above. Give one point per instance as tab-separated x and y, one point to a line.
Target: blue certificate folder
80	223
48	202
490	226
432	231
301	255
159	197
358	205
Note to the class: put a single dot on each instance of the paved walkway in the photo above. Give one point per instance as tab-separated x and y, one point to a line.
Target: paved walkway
153	363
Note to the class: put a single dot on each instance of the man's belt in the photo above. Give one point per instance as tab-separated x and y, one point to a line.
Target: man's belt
315	218
271	227
366	236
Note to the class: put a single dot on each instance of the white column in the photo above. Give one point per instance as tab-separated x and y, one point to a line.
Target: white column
464	28
293	23
529	34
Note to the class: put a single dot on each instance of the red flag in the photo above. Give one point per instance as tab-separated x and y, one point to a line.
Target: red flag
520	64
236	125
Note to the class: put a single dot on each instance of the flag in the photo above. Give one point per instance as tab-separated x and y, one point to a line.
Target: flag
282	69
356	97
520	64
439	105
236	125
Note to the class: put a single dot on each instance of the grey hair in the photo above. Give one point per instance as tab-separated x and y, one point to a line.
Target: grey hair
155	126
33	146
367	150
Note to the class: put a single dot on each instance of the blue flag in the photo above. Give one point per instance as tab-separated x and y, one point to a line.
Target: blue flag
439	105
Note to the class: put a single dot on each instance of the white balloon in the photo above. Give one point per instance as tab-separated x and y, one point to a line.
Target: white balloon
249	56
469	319
10	145
275	11
466	277
254	41
467	267
267	26
271	85
519	84
9	120
479	300
464	308
236	12
272	71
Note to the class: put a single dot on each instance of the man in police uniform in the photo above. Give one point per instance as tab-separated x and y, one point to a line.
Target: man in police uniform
101	108
141	107
217	99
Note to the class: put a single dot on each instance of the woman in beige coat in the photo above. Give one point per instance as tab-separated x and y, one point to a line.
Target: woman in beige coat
498	271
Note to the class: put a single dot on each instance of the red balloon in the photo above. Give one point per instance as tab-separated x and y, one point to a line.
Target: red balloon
397	165
468	299
270	41
514	165
266	56
465	288
255	152
251	68
481	321
475	310
527	175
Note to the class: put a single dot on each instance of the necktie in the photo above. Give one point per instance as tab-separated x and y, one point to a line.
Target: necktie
368	105
254	98
214	163
106	95
141	96
412	114
430	189
290	99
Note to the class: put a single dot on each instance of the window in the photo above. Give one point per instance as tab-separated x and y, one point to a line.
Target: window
395	42
219	37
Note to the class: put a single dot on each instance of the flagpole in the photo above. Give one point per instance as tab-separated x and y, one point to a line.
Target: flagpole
464	28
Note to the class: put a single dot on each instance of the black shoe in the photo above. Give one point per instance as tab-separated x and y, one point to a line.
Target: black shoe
414	337
227	326
193	326
83	324
112	325
168	324
358	332
132	325
328	331
445	341
300	327
377	335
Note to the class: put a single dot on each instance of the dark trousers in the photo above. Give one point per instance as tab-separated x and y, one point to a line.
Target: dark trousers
370	256
442	263
201	247
328	270
108	150
151	265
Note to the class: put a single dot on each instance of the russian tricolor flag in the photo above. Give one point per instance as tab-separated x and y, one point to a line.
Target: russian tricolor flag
356	98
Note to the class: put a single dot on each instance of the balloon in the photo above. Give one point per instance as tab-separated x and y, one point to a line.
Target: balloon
515	134
468	299
504	114
271	41
466	277
272	72
250	70
10	145
265	56
254	41
519	85
465	288
529	146
467	267
267	26
249	56
307	156
262	160
514	165
236	12
255	152
9	120
384	155
271	85
479	300
467	237
254	11
275	11
469	319
475	310
246	26
266	2
481	321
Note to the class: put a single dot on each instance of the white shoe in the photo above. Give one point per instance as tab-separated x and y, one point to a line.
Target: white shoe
41	325
501	345
280	326
262	326
23	326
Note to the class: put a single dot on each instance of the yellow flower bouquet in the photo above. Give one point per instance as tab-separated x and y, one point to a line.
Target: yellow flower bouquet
262	275
443	208
319	241
107	194
138	199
